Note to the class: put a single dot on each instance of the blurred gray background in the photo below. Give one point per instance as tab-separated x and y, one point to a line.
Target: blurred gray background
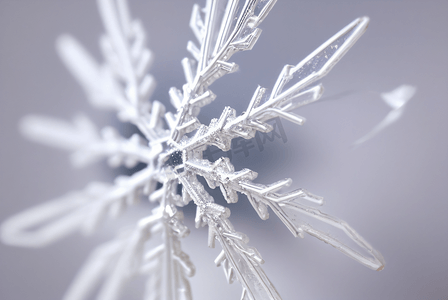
391	189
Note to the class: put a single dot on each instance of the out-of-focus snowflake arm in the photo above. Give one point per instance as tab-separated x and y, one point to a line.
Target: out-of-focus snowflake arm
122	82
87	144
117	261
100	262
77	211
102	89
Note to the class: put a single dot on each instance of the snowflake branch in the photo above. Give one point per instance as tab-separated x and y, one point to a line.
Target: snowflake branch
287	209
130	151
221	131
125	257
121	83
279	104
117	261
240	261
77	211
99	264
312	68
170	262
232	36
319	62
87	145
222	174
217	46
286	205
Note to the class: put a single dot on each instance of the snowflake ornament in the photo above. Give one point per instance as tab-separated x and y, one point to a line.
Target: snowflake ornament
171	145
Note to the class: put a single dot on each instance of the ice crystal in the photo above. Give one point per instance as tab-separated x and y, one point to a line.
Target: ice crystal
397	100
171	144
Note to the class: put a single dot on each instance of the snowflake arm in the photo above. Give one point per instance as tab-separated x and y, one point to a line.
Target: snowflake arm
287	213
87	144
239	260
122	82
282	100
320	62
116	84
220	36
77	211
286	206
125	257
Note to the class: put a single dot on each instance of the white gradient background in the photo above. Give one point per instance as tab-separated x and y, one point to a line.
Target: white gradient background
392	189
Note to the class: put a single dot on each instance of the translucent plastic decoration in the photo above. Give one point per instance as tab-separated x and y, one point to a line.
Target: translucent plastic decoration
171	144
